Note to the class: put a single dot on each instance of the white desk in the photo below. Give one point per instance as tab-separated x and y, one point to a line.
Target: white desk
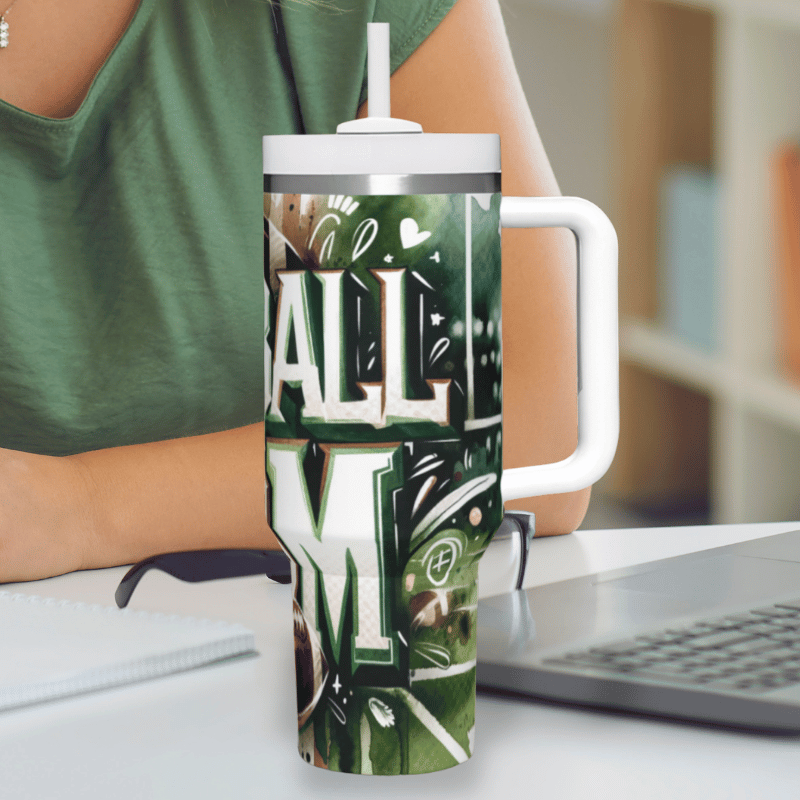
230	731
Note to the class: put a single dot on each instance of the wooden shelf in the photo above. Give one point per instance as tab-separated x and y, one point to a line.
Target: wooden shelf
768	395
645	344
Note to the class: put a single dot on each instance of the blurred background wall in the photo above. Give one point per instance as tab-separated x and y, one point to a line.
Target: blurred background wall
681	119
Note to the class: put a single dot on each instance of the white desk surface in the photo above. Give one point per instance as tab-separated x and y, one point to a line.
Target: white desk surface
230	731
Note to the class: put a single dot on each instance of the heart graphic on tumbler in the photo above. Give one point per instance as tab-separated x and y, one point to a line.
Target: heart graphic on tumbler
410	234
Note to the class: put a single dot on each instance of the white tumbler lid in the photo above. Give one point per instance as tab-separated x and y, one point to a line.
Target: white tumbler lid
382	154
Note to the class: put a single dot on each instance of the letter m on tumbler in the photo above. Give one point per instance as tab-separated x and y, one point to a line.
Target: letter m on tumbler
330	549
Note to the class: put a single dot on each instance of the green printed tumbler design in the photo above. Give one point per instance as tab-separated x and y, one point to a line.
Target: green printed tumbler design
383	458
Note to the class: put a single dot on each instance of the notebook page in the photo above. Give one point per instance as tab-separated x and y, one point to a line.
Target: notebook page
54	648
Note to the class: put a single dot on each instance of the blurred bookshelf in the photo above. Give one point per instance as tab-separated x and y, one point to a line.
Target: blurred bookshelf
711	85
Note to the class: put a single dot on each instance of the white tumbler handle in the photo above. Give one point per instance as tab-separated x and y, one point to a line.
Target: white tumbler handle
598	344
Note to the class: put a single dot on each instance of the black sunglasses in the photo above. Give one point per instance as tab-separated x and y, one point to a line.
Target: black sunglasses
208	565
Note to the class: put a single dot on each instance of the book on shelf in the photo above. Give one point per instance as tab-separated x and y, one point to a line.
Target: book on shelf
688	248
786	180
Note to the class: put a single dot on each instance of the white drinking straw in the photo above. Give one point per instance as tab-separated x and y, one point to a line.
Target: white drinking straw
378	69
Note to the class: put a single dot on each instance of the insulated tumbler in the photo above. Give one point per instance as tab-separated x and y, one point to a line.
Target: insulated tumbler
383	416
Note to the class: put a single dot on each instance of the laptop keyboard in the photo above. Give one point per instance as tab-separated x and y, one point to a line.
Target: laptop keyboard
754	652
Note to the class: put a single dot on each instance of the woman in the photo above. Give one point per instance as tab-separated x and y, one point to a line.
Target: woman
130	362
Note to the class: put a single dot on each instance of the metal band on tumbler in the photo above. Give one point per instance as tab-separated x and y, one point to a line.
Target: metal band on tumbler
454	183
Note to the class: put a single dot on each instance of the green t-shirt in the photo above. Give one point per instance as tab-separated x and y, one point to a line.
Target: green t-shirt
131	299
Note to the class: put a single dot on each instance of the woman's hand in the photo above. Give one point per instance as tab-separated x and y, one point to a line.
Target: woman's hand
46	516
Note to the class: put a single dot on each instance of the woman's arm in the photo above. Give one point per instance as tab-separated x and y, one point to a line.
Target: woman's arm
122	504
462	80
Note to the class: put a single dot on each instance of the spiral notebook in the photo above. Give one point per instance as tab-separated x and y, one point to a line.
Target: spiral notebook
52	649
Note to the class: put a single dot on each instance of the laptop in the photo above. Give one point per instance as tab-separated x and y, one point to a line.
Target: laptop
712	637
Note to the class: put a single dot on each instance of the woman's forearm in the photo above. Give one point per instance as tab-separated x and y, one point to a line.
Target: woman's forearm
199	492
